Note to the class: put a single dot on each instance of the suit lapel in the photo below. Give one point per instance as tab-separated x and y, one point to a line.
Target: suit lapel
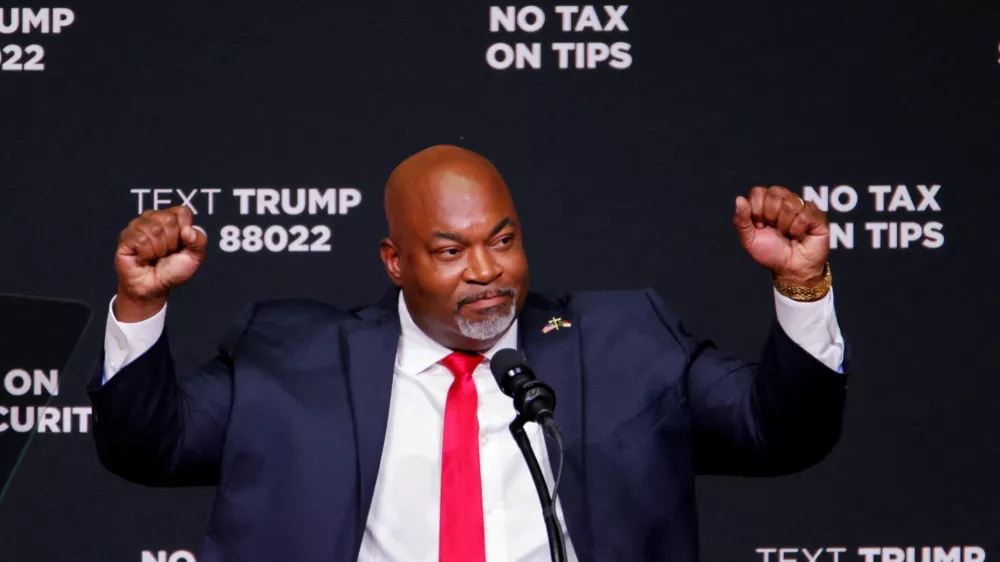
555	357
371	351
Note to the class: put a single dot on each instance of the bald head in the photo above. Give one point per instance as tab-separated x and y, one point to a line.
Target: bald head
433	176
454	246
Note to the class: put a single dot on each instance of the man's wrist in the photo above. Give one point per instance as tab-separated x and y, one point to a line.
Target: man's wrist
805	288
129	310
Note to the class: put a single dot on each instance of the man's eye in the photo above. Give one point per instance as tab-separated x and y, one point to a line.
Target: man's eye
449	252
505	241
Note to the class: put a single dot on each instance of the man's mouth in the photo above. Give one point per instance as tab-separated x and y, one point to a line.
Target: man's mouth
486	300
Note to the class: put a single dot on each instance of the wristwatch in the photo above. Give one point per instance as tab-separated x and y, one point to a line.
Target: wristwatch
806	294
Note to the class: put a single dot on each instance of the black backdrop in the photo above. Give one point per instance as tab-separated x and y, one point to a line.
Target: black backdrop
624	177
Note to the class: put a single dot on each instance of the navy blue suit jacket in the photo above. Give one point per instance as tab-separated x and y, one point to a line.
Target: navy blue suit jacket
289	421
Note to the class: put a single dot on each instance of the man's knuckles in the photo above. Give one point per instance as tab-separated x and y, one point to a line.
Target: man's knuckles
159	231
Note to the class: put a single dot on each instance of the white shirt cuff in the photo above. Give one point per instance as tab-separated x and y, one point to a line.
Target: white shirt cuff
124	342
813	326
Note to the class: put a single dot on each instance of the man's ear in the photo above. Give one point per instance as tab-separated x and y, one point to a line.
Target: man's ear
390	258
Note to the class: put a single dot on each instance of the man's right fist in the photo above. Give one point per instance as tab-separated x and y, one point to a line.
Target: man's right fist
159	250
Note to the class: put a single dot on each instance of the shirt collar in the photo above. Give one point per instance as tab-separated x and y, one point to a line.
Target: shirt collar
418	352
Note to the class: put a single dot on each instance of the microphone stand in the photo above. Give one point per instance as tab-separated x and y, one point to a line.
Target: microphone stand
557	547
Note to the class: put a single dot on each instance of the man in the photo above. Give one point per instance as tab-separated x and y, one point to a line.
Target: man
380	434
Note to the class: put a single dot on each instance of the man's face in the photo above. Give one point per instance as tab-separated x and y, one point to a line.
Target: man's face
462	267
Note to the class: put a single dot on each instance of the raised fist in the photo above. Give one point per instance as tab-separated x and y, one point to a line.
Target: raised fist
159	250
784	234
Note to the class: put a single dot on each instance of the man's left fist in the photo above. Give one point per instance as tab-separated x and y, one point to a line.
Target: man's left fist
784	234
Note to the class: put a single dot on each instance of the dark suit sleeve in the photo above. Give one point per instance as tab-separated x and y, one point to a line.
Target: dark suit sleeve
774	417
157	428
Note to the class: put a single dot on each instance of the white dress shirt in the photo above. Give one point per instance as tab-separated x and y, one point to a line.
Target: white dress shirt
403	520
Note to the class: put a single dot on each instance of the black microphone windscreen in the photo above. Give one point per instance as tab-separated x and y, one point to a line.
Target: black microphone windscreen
505	360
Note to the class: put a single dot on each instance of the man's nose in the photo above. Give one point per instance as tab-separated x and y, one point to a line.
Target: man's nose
482	267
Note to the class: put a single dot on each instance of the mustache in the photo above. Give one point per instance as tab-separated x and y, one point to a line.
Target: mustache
504	292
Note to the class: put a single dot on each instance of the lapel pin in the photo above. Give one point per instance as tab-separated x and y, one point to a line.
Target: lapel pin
555	324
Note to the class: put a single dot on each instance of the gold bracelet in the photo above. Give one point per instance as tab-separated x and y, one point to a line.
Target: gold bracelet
807	294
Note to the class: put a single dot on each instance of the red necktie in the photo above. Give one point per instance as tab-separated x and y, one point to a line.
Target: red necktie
462	535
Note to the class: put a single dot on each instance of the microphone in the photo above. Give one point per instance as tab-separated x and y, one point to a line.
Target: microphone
534	400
